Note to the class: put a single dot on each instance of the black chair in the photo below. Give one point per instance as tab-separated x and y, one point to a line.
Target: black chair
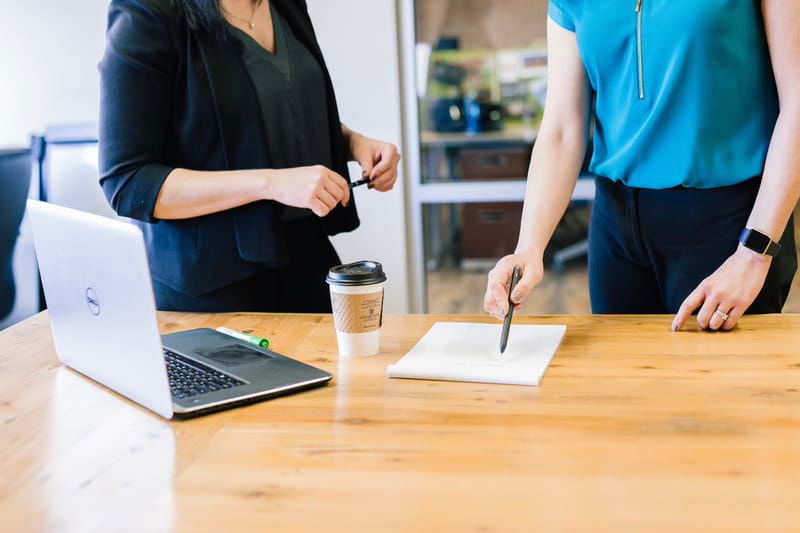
15	180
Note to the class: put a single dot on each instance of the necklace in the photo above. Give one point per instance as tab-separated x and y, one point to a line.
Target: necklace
250	22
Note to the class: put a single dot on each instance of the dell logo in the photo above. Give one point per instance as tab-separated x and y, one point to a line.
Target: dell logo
92	301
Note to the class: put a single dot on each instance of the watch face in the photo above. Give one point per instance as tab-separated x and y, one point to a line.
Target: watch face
757	241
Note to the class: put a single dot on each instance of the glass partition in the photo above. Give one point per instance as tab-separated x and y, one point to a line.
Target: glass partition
476	78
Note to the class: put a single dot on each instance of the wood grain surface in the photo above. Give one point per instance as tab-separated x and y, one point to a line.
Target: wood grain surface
634	428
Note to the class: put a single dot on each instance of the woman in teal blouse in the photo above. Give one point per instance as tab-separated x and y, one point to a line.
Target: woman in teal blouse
696	109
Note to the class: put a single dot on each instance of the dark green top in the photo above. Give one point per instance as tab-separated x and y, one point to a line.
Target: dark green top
290	86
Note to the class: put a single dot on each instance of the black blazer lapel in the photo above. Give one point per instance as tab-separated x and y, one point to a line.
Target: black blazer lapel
296	13
297	16
235	102
243	140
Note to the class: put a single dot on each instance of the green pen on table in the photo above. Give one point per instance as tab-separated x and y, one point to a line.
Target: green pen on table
252	339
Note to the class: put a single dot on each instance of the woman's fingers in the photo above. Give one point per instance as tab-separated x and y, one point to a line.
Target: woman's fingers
490	304
341	184
388	158
366	165
327	199
733	318
711	301
529	279
378	163
496	300
497	287
318	207
495	291
719	318
730	289
338	190
385	182
688	306
328	190
498	292
325	182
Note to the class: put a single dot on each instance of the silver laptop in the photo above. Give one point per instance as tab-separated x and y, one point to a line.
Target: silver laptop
102	312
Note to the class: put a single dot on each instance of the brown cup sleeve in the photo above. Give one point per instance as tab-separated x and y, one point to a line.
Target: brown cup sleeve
357	313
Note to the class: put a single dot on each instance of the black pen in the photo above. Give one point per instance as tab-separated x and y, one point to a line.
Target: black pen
510	314
359	183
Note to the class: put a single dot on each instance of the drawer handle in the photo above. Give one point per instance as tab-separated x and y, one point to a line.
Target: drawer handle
493	217
493	161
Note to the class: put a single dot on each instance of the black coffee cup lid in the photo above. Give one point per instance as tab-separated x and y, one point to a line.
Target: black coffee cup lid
358	273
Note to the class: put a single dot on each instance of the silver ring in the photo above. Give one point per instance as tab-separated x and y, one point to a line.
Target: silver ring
722	314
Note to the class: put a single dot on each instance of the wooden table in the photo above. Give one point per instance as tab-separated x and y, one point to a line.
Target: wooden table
633	428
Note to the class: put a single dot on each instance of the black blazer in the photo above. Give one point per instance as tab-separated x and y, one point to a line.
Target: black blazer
174	97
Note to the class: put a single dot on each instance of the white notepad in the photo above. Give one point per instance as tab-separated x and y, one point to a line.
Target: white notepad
457	351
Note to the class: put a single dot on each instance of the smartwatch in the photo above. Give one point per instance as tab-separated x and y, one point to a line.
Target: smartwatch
759	242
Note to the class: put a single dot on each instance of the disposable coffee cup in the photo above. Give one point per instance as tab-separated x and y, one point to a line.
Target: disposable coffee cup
357	301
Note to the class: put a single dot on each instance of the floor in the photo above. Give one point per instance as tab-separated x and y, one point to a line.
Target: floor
453	291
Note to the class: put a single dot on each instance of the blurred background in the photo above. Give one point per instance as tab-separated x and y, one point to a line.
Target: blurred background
481	72
459	85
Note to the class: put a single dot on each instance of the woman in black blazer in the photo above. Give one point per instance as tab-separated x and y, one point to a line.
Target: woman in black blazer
220	137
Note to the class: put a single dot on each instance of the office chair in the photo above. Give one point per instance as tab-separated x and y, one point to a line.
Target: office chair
69	169
15	179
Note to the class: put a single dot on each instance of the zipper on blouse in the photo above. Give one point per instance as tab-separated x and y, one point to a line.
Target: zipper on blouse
639	57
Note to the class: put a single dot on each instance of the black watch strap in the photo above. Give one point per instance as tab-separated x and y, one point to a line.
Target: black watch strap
759	242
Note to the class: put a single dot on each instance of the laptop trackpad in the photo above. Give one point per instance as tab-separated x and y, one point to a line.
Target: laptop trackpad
231	355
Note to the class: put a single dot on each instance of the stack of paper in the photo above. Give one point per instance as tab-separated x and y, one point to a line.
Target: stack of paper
457	351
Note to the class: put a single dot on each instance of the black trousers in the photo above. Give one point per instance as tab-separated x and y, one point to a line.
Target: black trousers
298	287
648	249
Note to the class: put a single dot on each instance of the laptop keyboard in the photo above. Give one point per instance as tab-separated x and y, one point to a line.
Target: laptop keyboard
189	378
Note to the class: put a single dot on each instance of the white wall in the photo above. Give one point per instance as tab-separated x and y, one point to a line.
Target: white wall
49	50
359	40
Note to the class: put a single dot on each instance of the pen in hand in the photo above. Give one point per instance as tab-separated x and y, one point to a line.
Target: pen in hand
510	313
359	183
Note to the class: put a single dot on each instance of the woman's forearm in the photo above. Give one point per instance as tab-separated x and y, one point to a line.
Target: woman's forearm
554	170
560	146
351	137
780	185
348	137
192	193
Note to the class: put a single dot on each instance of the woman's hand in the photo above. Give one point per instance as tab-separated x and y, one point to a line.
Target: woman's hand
731	290
378	160
317	188
496	300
